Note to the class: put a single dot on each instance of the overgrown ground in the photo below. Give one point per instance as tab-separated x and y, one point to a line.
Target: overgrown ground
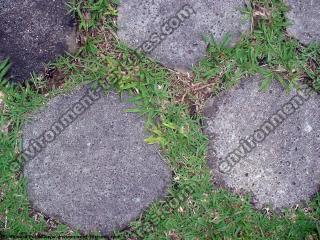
172	103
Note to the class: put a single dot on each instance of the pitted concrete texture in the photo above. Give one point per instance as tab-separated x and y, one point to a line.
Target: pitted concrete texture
265	143
172	32
305	18
95	172
33	33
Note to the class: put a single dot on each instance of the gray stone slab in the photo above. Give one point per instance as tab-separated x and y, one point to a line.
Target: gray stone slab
33	33
265	143
98	174
305	18
172	32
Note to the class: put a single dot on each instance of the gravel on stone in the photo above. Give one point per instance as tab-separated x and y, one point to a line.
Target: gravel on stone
266	143
172	32
305	18
87	164
34	33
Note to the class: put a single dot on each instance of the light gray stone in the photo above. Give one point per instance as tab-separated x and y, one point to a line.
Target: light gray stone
305	18
98	174
33	33
281	170
185	46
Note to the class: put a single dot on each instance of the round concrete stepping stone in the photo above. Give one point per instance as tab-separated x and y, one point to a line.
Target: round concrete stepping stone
95	172
34	32
172	32
265	143
305	16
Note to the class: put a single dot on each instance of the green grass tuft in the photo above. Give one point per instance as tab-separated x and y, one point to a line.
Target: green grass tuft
194	208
